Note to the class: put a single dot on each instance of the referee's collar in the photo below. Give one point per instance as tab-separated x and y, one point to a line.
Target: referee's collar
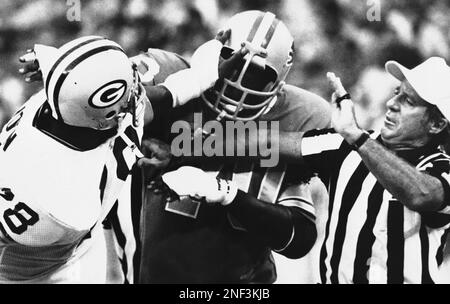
413	156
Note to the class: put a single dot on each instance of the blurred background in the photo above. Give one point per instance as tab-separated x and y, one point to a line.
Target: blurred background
353	38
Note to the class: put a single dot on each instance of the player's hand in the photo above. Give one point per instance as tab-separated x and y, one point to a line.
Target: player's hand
227	66
158	186
30	68
147	67
343	114
223	35
156	154
190	83
157	157
198	184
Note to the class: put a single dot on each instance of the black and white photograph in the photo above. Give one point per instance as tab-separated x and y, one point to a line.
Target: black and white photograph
224	142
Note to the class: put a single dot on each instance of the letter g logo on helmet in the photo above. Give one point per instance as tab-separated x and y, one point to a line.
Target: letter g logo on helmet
108	94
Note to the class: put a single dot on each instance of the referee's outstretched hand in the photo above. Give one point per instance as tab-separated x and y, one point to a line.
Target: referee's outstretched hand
343	114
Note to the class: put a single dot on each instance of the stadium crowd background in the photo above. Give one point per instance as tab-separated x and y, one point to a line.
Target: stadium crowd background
330	35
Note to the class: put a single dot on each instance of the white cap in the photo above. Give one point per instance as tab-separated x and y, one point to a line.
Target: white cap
430	79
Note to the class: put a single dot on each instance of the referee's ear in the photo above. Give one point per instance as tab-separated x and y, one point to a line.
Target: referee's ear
436	121
438	125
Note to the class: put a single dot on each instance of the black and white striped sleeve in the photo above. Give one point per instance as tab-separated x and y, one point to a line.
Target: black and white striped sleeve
438	165
320	149
123	225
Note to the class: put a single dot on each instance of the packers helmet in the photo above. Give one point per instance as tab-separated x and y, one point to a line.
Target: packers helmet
92	83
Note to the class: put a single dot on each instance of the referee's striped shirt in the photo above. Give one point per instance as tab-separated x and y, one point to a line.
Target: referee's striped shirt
371	237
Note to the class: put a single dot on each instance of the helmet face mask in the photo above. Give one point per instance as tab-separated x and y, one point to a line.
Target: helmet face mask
248	91
135	103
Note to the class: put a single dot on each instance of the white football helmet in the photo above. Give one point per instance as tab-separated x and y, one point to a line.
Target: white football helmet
248	91
92	83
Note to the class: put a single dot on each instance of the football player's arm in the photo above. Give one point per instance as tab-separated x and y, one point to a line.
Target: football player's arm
314	114
189	83
285	227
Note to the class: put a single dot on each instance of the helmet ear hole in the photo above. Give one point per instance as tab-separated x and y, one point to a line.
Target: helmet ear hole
226	52
111	114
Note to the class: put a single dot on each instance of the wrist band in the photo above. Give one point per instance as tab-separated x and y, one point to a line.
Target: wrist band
345	96
360	141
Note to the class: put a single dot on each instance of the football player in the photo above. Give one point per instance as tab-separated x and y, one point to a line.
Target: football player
66	154
212	220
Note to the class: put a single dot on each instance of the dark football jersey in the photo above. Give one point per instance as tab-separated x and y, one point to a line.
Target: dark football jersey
189	241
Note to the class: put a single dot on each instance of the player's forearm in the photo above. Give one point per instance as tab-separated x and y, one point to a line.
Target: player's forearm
282	228
416	190
286	144
290	146
161	102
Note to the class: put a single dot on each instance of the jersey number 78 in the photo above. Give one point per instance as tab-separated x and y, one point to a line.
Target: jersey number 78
20	217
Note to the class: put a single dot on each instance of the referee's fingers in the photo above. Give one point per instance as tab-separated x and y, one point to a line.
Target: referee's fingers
336	84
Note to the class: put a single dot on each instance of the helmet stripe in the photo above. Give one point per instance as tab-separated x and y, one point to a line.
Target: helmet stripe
263	29
255	26
270	33
71	66
61	58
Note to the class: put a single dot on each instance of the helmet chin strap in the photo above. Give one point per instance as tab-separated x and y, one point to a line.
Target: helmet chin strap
221	115
271	104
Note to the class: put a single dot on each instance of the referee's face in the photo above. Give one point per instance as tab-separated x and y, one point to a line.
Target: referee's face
406	123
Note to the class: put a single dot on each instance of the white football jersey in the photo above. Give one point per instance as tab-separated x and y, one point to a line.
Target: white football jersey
53	197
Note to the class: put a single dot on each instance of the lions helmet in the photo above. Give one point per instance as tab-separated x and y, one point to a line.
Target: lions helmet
248	91
92	83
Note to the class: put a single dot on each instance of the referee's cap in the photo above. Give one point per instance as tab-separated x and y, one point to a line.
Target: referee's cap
430	79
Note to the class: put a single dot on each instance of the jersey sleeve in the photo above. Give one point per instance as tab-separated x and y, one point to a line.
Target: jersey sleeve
322	149
298	200
298	196
116	241
160	63
439	167
300	110
122	225
318	113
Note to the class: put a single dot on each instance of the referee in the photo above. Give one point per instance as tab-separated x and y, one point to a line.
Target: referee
389	207
389	192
